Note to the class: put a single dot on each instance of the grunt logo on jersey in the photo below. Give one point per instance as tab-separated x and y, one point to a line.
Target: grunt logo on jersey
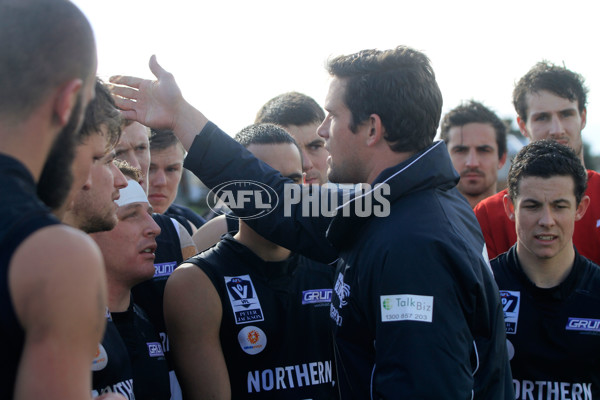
164	269
511	302
244	299
155	349
316	296
583	325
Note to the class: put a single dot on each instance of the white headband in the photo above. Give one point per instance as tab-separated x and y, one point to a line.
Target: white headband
132	193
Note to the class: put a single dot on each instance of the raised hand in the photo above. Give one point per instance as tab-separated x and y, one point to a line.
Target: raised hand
157	104
152	103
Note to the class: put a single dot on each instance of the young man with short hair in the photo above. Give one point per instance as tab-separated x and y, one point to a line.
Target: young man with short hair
476	140
549	291
550	101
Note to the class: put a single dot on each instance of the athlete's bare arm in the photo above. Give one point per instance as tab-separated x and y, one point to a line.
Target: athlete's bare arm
58	287
210	233
193	315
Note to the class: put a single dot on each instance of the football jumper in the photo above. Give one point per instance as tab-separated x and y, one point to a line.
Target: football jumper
111	368
150	369
553	334
499	231
185	216
22	214
275	332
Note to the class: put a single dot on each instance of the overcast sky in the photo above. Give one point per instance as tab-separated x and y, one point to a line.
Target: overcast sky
230	57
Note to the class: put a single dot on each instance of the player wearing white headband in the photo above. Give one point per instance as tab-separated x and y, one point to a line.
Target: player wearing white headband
128	252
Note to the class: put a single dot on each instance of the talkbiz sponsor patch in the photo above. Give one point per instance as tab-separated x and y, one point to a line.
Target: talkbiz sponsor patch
316	296
511	301
406	307
243	298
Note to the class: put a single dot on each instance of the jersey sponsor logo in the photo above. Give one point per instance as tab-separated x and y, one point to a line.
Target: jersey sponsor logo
406	307
316	296
511	302
549	390
289	377
155	349
100	359
252	340
124	388
342	290
244	299
583	325
164	269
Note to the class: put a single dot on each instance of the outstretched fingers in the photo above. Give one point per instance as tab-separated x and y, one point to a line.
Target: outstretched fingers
126	80
125	92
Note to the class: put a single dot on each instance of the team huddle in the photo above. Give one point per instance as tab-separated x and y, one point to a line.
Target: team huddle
362	258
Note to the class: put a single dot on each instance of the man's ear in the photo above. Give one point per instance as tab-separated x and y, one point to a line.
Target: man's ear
583	118
509	207
66	99
523	127
502	159
582	207
375	131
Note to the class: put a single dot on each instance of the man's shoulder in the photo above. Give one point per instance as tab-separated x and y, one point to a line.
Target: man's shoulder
593	180
493	202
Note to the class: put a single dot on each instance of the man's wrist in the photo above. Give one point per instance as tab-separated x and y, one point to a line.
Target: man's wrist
188	122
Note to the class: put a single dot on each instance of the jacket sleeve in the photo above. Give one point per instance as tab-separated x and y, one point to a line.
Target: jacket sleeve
216	159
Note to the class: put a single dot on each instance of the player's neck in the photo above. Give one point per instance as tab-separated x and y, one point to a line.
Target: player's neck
119	296
474	200
263	248
29	142
546	272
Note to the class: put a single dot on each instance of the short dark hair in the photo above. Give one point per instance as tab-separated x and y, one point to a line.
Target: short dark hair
290	108
102	112
545	159
474	111
264	134
163	139
399	86
553	78
43	44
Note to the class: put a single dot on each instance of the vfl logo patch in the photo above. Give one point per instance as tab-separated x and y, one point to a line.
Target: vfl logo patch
511	301
243	298
164	269
155	349
315	296
583	325
406	307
